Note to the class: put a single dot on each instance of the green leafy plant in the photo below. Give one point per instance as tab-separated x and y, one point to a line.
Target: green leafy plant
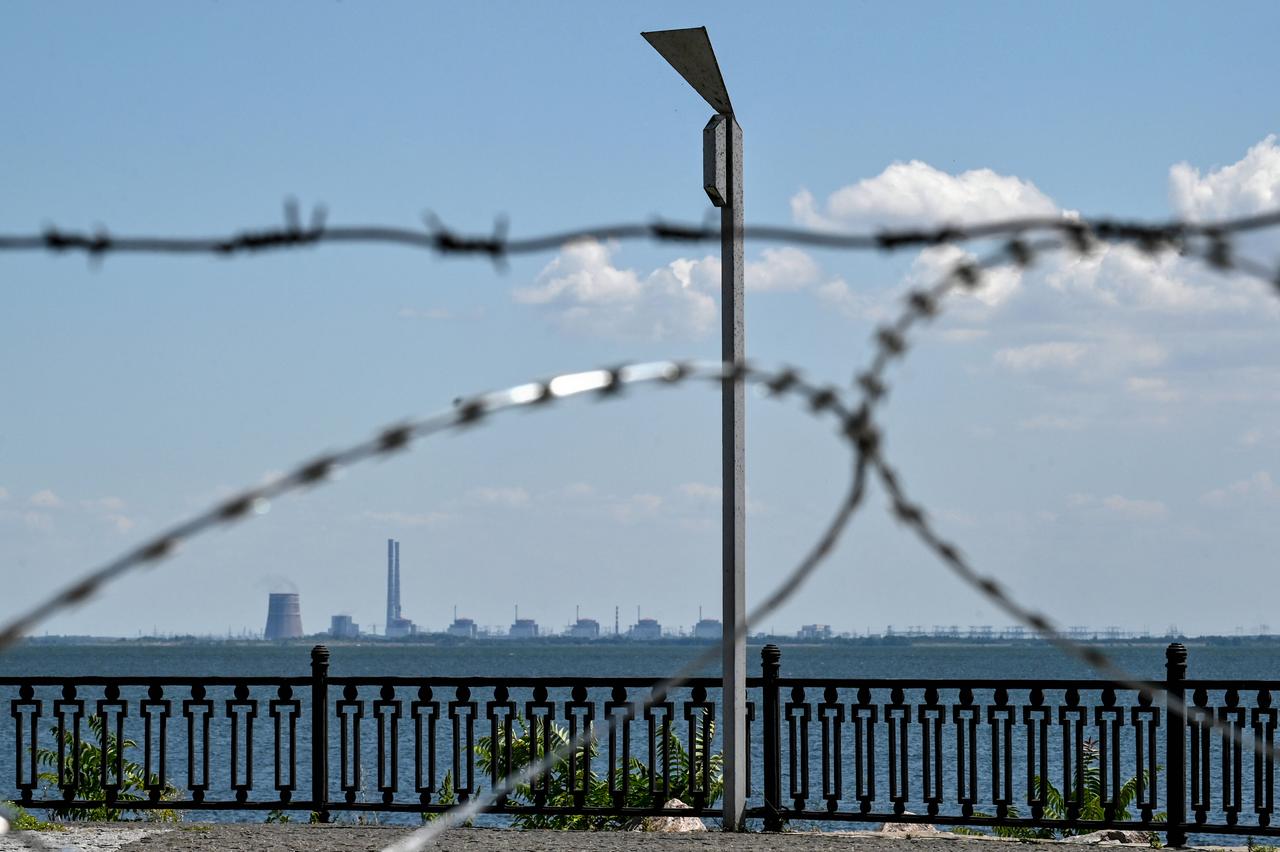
1056	803
557	783
22	820
95	750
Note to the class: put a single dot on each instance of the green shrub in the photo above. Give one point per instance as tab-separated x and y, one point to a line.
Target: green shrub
558	790
88	782
1091	807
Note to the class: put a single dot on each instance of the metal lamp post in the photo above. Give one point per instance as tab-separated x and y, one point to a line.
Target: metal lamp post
689	52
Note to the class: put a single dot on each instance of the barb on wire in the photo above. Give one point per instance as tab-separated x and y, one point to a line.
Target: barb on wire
436	237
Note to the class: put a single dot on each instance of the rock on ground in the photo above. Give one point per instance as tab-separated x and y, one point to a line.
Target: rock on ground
672	825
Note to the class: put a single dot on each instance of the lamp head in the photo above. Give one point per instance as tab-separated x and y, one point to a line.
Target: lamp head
689	52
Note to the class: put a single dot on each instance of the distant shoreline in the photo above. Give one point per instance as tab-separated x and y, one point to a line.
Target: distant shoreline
438	641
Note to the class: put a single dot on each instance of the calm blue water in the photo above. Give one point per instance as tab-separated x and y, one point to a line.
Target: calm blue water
499	660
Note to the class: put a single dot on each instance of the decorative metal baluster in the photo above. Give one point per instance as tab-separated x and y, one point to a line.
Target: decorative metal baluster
26	710
1199	721
1231	717
897	717
501	712
284	711
1072	718
659	743
539	713
797	713
1000	717
700	714
619	745
864	715
965	716
425	713
111	773
462	713
386	712
751	717
831	717
197	741
1145	720
1036	719
68	777
241	706
931	715
579	712
1264	735
1110	719
350	710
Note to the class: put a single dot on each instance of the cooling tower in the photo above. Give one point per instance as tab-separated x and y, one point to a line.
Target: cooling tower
284	616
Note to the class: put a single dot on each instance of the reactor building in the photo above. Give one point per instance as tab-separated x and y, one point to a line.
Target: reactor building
284	616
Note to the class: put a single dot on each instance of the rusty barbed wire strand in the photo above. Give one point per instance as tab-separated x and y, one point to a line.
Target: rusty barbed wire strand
497	246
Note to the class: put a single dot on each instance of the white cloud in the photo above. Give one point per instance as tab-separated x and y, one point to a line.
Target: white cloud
588	295
963	335
1054	355
1258	486
786	268
502	495
916	193
1250	185
1124	277
45	499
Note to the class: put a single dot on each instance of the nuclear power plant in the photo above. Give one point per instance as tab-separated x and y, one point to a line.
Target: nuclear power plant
284	616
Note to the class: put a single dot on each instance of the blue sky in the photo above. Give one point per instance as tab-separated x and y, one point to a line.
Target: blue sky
1102	433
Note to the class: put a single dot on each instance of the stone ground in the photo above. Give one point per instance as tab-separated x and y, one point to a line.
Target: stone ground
197	837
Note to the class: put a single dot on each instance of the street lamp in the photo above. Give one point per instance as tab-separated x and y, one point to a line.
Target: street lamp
689	52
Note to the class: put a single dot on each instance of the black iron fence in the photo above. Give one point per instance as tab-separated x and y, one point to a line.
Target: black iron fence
1024	755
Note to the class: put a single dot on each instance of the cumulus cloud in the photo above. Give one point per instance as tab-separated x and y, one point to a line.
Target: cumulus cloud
588	295
1258	486
1249	185
916	193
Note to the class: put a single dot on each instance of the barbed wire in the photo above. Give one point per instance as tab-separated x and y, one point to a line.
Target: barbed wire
498	246
1210	243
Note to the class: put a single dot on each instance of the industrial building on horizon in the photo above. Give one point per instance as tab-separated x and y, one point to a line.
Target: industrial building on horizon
284	617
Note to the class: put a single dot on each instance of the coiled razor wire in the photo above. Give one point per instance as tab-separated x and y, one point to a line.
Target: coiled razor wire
1211	243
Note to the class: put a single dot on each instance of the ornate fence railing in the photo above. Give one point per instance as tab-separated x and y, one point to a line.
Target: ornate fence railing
1021	754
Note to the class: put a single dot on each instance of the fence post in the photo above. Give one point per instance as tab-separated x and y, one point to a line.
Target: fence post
771	665
1175	748
320	731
